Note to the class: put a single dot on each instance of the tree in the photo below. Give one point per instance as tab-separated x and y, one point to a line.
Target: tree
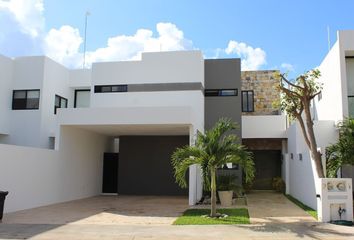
342	152
212	150
296	100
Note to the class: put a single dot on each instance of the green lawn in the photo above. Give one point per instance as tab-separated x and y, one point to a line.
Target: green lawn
197	217
307	209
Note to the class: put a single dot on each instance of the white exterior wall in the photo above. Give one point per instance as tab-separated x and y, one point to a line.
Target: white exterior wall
165	67
334	103
267	126
55	82
68	176
25	125
37	177
6	72
162	67
302	173
80	78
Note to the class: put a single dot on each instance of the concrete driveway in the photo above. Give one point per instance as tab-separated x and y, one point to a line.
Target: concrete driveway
272	207
121	210
137	217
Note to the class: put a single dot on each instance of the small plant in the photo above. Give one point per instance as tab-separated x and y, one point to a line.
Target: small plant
278	184
228	183
225	182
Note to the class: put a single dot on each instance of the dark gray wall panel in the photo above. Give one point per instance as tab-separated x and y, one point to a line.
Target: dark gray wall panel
222	74
145	165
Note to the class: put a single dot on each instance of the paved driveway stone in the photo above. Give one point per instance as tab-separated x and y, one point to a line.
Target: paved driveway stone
272	207
132	217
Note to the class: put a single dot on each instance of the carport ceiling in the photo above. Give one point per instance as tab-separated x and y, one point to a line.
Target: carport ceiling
125	130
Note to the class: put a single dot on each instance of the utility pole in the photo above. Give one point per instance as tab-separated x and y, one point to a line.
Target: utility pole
86	15
328	39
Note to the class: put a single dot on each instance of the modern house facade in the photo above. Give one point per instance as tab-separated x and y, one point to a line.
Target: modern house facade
117	120
69	134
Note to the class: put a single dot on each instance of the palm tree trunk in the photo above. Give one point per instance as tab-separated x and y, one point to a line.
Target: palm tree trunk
213	192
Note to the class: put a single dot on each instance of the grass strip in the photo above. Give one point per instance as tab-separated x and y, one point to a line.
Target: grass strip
198	217
306	208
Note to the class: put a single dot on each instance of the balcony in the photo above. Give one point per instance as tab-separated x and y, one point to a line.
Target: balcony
264	126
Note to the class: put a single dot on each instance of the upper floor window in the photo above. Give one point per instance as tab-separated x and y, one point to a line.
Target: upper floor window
25	99
60	102
220	92
111	88
82	98
247	101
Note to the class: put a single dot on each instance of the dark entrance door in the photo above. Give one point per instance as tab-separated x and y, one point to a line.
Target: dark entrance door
145	165
268	166
110	173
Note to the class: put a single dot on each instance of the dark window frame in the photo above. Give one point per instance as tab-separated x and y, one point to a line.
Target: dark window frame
120	88
218	92
60	98
75	95
26	98
248	107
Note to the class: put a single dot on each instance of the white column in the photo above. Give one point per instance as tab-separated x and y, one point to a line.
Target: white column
195	176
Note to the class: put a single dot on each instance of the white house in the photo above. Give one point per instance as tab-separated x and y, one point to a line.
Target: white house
65	134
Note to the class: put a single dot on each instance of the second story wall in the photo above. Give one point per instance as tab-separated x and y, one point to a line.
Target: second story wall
262	86
6	72
221	75
25	124
55	82
164	79
337	76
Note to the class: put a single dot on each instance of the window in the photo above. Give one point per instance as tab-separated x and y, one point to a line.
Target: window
351	106
60	102
25	99
82	98
247	101
111	88
220	92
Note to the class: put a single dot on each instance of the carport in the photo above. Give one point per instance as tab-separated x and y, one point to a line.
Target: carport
147	137
140	164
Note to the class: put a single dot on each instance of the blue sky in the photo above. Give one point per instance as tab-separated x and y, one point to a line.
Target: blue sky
288	35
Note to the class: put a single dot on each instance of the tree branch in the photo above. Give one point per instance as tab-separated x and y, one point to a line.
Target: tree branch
290	83
291	93
312	96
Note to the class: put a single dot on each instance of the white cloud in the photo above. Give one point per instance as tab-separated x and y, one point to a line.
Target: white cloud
22	32
287	67
251	58
63	45
27	13
123	47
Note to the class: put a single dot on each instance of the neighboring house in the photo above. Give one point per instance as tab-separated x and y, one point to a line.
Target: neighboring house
335	103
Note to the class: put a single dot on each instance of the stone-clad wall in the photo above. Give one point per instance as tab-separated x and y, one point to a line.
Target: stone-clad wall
263	85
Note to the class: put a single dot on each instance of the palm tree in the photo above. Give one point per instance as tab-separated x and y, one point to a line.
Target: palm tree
342	152
212	150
